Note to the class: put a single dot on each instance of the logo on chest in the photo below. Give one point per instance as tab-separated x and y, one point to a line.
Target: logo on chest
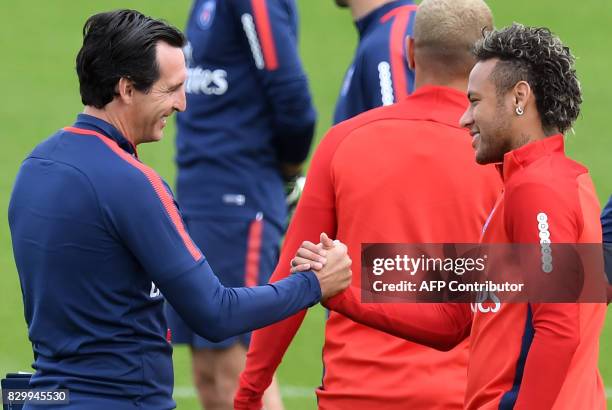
206	14
155	292
486	302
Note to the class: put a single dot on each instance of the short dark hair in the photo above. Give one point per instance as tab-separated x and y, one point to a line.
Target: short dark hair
537	56
118	44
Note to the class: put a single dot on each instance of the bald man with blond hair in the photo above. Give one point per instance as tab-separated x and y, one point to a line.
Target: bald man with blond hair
445	35
403	173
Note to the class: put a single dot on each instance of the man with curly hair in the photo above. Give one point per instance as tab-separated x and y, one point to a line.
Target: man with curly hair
524	94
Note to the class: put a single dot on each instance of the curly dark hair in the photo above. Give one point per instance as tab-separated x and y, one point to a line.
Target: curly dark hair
537	56
117	44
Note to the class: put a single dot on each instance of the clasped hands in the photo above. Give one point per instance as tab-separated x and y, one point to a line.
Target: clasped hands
330	262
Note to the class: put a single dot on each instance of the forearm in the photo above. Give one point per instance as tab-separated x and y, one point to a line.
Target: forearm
280	74
294	121
315	213
267	348
556	338
217	312
268	345
441	326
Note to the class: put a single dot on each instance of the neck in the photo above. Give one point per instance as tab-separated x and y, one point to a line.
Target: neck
437	68
430	77
113	118
528	128
361	8
528	135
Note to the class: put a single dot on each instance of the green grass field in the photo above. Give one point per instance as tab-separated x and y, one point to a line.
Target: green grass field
39	41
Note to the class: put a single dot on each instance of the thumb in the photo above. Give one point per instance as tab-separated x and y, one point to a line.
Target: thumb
326	241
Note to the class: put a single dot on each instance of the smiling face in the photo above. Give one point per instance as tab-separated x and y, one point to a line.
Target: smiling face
150	111
488	117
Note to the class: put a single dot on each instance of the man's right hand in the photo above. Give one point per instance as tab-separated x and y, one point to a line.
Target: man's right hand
330	262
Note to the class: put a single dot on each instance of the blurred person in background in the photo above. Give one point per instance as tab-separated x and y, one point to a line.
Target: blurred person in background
606	225
240	146
379	73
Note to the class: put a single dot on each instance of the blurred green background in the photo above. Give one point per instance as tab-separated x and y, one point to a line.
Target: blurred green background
39	41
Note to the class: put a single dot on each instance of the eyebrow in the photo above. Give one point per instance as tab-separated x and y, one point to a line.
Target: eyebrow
176	86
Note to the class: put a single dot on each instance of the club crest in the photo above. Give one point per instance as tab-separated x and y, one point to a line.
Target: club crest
206	14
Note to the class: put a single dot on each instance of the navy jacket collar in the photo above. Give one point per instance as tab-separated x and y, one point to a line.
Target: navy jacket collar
92	123
369	20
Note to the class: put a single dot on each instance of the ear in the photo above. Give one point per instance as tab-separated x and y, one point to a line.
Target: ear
522	94
410	52
125	90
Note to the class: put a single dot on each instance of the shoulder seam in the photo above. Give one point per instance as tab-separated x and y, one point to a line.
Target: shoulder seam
155	183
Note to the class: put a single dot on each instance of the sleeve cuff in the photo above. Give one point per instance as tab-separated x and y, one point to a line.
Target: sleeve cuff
314	286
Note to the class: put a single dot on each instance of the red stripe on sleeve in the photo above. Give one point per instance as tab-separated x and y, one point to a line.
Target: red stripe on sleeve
251	274
156	183
397	53
262	22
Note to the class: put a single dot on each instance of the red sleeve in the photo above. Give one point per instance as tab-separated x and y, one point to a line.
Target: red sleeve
533	212
315	213
440	326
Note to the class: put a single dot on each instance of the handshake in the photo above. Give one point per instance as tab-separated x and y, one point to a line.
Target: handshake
330	262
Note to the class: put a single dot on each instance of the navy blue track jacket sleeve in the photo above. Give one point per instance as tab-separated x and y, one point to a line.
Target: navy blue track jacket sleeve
153	230
270	27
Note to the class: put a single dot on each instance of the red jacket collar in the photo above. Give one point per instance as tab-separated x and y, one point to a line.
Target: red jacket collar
522	157
435	103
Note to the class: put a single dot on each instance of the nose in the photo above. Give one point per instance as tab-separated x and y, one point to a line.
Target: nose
466	119
181	100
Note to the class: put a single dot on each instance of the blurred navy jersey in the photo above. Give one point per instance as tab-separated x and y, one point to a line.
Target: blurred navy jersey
606	222
379	74
606	227
248	109
97	240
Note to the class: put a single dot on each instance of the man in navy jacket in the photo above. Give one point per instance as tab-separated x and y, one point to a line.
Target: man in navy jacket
99	241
